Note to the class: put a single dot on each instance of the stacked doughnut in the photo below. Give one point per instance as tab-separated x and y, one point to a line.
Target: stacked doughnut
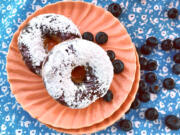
56	64
52	48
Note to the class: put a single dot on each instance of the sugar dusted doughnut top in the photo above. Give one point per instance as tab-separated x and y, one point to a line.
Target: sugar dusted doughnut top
31	38
66	56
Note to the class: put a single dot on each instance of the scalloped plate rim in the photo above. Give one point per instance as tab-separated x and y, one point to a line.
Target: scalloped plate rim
27	21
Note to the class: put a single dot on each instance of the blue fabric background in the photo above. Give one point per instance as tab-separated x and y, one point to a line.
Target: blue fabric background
142	18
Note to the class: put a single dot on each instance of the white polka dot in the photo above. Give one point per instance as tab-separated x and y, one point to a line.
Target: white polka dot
163	33
143	2
143	17
143	132
19	132
28	14
94	2
168	60
173	24
156	7
165	69
138	10
33	132
8	30
156	121
4	45
14	11
150	125
161	104
164	90
122	4
167	129
3	127
137	124
19	20
27	123
8	7
171	5
113	129
171	37
4	88
131	132
140	30
43	1
38	7
170	109
172	94
141	115
7	118
6	109
153	97
106	7
156	20
131	17
165	14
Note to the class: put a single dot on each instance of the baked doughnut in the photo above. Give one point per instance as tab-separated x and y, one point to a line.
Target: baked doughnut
69	55
32	38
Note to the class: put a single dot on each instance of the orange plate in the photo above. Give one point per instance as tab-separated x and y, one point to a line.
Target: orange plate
29	89
114	117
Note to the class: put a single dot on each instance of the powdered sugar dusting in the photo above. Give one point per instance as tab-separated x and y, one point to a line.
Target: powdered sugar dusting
31	35
63	58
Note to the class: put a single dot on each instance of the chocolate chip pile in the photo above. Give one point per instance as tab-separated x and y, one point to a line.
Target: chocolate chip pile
149	83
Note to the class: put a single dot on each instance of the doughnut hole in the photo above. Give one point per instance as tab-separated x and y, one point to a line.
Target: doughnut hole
51	41
78	74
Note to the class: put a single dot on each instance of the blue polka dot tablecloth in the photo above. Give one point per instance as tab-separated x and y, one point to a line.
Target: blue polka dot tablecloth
142	18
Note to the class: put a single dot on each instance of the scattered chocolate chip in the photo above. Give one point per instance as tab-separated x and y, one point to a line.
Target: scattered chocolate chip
152	41
176	43
142	86
88	36
125	125
172	13
143	63
154	89
101	37
166	45
111	54
136	103
115	9
118	66
109	96
176	68
146	50
176	58
150	77
169	83
172	122
151	65
144	96
151	114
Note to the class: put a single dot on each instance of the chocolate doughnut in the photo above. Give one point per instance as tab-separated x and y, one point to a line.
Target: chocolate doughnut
63	59
32	38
